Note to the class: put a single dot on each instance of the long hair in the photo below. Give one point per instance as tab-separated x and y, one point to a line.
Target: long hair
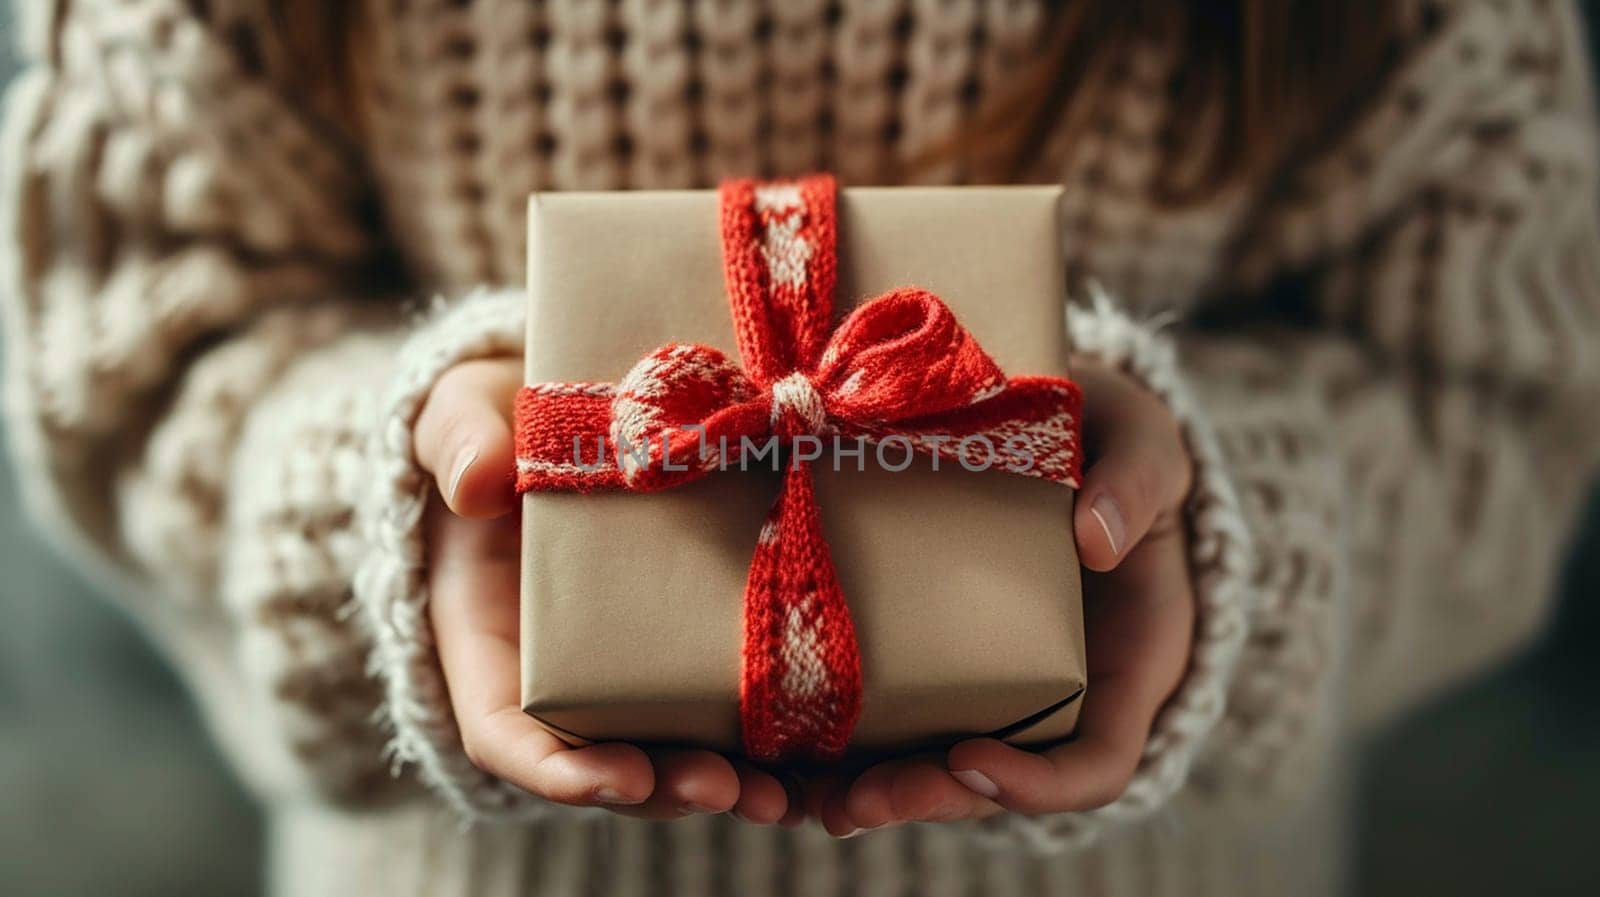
1258	79
325	46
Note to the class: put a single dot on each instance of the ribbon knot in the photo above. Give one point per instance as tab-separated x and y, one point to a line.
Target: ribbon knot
797	408
899	367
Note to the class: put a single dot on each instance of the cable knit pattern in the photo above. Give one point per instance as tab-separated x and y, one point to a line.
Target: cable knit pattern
863	58
658	64
205	262
391	581
1283	709
289	551
937	62
731	67
172	232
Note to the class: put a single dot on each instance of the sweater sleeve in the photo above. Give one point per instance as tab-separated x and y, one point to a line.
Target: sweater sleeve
1399	389
194	350
1440	318
1405	384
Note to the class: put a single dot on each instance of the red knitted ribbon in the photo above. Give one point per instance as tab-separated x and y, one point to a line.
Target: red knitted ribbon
897	368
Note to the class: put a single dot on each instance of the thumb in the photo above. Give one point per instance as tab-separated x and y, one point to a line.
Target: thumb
463	437
1140	474
1123	495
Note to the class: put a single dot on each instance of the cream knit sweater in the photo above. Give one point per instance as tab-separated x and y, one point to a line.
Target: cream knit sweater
215	349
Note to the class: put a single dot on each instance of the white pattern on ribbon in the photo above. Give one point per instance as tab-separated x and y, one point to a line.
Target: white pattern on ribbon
785	250
780	197
769	532
636	412
805	676
797	393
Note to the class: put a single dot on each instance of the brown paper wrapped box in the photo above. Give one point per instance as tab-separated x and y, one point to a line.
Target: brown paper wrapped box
964	586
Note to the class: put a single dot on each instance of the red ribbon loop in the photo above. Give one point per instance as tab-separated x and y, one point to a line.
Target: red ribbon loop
901	356
899	366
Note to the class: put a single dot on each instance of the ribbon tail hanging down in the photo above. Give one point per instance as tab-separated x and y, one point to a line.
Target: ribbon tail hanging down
800	689
800	695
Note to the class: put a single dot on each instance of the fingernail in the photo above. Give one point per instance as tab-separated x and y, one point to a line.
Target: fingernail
613	796
1105	510
855	832
695	808
463	464
977	782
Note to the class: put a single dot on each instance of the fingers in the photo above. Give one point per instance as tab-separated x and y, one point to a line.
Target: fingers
824	801
1090	771
763	799
694	781
910	789
463	437
1143	614
796	792
512	746
1087	773
473	586
687	782
1140	470
868	802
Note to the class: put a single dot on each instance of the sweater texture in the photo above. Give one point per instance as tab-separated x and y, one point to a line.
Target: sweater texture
220	324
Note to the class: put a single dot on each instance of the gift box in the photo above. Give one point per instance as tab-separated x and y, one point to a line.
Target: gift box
962	585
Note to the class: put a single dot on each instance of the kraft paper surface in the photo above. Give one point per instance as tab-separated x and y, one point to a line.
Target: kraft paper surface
964	586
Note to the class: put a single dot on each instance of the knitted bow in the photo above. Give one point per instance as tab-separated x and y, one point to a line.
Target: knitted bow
898	369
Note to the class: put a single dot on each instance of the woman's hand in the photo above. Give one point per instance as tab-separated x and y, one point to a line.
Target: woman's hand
463	438
1139	620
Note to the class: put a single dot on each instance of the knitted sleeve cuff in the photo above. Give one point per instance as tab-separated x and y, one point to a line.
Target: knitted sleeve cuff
390	586
1220	559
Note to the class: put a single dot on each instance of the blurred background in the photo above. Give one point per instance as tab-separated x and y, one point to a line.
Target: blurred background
108	785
